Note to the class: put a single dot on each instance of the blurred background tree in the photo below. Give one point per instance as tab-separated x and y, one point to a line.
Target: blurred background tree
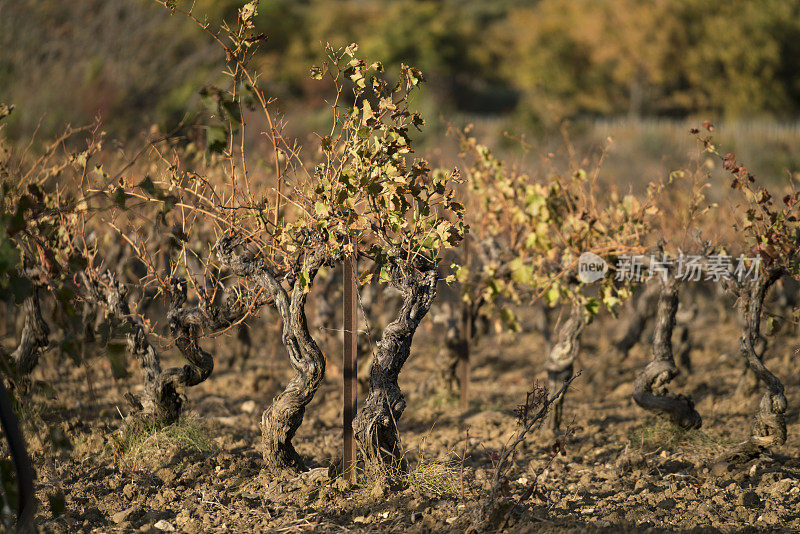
533	62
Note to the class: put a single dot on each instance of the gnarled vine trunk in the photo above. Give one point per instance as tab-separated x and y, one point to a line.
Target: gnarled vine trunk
161	400
561	360
685	319
644	304
185	326
244	345
376	424
283	417
650	389
452	321
769	424
449	355
748	381
683	351
449	324
34	338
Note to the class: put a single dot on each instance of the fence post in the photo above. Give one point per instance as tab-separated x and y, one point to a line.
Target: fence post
349	368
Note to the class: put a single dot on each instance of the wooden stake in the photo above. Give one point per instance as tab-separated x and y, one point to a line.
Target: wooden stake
349	367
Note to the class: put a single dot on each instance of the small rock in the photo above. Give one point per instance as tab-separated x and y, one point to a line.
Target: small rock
721	469
781	487
771	517
123	515
164	525
360	519
749	499
248	406
667	503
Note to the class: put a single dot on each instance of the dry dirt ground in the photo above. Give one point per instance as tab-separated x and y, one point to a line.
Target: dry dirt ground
623	471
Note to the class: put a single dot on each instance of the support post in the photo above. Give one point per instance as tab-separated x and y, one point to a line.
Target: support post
349	367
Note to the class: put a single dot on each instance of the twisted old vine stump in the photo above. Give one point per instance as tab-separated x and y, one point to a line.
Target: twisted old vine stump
376	424
769	424
34	338
650	391
280	421
561	360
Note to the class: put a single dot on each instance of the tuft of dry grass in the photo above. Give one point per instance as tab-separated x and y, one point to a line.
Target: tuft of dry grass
140	441
438	477
432	477
656	433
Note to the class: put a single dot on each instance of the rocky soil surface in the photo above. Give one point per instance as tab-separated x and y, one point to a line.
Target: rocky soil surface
623	470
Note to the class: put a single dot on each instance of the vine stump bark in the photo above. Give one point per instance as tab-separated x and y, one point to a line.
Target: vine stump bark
650	391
